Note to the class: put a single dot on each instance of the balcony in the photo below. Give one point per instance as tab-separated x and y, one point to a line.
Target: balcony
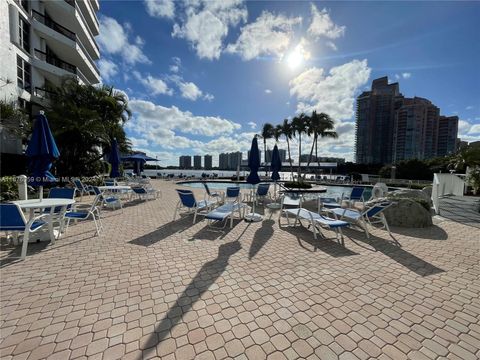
44	93
55	61
54	25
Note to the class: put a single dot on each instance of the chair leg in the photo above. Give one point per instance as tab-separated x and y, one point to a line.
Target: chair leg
195	216
25	243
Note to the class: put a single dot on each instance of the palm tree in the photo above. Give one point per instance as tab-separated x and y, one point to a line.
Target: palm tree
300	126
267	133
287	131
84	120
320	125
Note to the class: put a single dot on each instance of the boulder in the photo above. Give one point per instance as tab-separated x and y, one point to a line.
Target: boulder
408	213
428	191
409	194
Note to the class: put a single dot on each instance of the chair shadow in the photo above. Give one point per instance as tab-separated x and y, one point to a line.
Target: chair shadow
395	252
214	232
261	237
328	246
164	231
433	232
204	278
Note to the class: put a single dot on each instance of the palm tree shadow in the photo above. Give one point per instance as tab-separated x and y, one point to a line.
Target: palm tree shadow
205	277
395	252
260	238
164	231
213	232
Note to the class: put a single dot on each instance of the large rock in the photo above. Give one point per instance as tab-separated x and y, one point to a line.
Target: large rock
408	213
409	194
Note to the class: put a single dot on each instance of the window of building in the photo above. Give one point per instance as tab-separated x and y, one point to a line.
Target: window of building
24	74
24	4
24	34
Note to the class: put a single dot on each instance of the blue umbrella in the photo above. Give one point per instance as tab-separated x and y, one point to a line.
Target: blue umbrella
275	166
253	178
41	151
114	160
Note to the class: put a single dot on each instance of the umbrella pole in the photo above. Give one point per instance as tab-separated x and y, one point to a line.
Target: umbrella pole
40	195
253	217
275	204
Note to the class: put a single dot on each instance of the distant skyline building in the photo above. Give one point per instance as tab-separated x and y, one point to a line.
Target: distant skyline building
230	161
185	162
197	162
391	128
207	162
282	153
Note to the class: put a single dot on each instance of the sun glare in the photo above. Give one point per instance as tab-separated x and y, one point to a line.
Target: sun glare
297	56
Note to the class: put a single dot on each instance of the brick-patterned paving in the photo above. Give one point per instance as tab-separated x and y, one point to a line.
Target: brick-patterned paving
150	287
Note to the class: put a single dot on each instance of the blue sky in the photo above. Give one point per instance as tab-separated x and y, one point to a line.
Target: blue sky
203	76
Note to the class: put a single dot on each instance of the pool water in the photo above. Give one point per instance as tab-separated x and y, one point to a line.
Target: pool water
332	190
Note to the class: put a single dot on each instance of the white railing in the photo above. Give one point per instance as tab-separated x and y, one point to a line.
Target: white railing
446	184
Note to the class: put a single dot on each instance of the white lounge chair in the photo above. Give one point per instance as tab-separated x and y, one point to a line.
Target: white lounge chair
225	212
187	201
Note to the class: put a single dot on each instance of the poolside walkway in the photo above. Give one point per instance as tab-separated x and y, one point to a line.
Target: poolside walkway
150	287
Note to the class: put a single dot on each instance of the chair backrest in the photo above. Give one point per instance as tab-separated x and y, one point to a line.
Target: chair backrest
376	209
78	184
110	182
187	198
60	193
11	218
232	192
262	189
357	193
207	189
139	190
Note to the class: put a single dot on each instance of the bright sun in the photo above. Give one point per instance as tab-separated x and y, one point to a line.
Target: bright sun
297	56
295	59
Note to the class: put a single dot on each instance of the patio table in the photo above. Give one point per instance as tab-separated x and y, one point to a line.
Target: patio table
42	204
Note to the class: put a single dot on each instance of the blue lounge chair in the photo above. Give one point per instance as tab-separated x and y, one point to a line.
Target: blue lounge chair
225	212
232	194
216	196
369	216
82	188
110	201
12	219
94	212
355	195
262	192
57	216
187	201
316	220
110	182
144	192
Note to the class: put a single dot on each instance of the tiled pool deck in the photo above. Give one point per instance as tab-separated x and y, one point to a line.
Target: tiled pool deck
150	287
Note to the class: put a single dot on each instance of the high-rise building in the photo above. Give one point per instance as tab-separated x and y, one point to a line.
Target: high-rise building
375	121
415	130
43	41
391	128
447	135
281	152
234	160
207	162
197	162
223	161
185	162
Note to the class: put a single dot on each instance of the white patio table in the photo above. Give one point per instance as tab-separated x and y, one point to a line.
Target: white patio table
42	204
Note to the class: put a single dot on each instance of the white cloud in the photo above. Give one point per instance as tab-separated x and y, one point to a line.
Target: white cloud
177	63
323	26
405	75
268	91
206	24
333	92
331	45
174	68
269	34
155	85
158	124
160	8
107	68
189	90
469	107
252	125
475	130
113	39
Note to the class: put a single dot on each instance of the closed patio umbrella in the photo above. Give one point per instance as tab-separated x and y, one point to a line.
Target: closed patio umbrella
41	151
253	178
275	166
114	160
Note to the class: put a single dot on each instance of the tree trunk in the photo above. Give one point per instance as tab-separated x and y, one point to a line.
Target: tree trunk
299	157
311	152
290	158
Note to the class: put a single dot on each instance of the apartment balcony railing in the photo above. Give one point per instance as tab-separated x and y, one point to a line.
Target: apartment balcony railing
54	25
44	93
70	2
52	60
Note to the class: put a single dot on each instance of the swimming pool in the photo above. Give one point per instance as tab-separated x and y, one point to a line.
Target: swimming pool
332	190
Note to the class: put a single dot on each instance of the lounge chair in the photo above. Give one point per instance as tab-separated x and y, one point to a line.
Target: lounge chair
225	212
94	212
232	194
144	192
262	192
187	200
57	216
355	195
370	216
12	219
110	182
82	188
110	201
316	220
216	196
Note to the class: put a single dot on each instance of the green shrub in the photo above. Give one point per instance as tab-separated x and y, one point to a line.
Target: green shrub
8	188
